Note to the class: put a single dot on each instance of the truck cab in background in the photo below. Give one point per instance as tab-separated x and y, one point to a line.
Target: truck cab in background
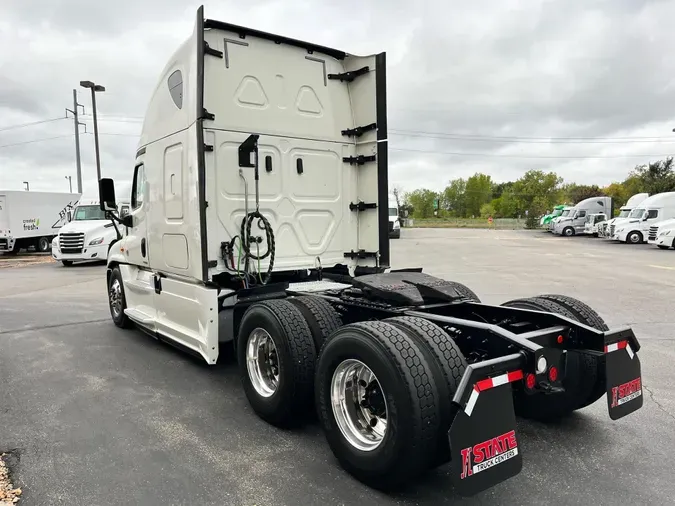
89	235
394	220
665	235
575	222
644	220
563	214
593	222
607	229
548	218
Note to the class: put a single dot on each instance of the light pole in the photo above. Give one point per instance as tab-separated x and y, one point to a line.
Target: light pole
70	183
94	88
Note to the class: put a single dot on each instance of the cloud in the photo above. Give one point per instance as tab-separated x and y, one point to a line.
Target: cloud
536	69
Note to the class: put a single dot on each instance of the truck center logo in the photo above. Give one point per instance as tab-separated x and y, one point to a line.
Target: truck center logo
32	224
489	453
626	392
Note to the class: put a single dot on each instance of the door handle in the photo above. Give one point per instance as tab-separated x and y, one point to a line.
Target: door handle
143	247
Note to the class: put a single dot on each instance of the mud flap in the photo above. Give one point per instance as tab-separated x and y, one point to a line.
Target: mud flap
483	442
624	375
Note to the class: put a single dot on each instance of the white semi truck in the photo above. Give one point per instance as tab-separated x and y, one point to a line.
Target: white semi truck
259	220
32	219
88	236
607	229
664	237
394	220
643	221
575	221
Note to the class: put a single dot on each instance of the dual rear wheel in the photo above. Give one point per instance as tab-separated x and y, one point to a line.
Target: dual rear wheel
382	389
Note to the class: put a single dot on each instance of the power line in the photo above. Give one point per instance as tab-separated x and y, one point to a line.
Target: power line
22	125
457	137
497	155
516	138
35	140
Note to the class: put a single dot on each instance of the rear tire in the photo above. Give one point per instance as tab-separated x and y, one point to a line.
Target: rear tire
661	246
276	358
43	245
447	365
404	395
580	375
465	291
585	314
321	317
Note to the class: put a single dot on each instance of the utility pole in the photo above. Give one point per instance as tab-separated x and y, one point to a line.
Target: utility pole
77	140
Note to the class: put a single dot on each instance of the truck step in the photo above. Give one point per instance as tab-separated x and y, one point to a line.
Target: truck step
139	316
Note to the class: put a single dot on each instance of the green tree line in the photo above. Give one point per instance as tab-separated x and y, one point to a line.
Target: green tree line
534	194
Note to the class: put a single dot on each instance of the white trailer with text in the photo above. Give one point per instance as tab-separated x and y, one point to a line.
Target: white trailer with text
32	219
259	219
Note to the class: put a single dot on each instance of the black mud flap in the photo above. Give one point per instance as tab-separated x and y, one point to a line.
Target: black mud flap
624	374
483	441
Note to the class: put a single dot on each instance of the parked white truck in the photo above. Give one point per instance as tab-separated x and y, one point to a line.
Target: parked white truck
574	223
89	234
394	220
607	229
593	223
665	235
32	218
643	221
276	243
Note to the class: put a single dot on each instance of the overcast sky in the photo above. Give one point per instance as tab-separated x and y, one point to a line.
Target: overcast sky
527	69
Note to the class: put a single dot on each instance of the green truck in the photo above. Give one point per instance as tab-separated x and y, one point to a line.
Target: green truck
547	218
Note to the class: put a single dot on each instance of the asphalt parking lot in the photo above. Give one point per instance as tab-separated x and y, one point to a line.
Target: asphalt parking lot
98	415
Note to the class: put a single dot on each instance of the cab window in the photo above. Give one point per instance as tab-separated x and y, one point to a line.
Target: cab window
652	213
138	187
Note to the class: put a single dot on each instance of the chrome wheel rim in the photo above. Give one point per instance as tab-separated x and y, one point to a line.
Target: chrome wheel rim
359	405
262	362
115	295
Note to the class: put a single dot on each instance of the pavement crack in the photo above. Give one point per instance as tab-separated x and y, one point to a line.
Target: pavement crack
55	326
651	396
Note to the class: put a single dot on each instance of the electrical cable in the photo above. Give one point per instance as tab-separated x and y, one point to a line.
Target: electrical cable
263	224
23	125
35	140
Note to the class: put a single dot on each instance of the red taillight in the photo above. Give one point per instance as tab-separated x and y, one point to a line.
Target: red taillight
560	339
553	373
530	381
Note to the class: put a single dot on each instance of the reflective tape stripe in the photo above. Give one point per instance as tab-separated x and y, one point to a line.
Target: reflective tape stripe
615	346
489	383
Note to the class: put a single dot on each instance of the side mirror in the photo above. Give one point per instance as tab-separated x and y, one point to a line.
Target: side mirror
127	220
106	194
645	217
70	216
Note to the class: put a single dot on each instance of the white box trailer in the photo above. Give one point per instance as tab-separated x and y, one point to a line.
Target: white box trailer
30	218
259	220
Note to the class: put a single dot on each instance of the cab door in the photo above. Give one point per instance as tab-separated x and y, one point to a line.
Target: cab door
136	244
